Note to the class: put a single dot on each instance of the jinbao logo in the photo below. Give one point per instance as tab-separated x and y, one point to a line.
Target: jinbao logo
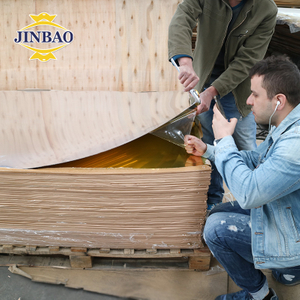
56	39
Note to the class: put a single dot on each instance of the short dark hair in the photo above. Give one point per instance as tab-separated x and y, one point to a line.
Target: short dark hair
281	76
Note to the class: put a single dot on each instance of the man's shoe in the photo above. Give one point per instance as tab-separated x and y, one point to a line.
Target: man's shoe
285	278
244	295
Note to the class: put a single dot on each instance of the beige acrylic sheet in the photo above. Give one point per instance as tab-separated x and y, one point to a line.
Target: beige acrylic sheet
104	208
40	128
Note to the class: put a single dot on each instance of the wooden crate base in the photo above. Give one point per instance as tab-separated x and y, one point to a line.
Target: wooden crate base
82	258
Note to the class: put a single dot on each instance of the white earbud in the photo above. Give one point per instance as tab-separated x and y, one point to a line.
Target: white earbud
277	104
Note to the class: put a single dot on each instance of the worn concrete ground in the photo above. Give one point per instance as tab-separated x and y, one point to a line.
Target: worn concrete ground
125	284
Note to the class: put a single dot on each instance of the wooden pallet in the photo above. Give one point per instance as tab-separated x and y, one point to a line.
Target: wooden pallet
81	258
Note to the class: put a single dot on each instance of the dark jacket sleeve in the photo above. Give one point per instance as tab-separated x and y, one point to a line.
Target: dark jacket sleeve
181	28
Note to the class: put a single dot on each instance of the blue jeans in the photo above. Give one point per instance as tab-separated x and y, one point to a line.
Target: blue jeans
227	233
244	136
287	276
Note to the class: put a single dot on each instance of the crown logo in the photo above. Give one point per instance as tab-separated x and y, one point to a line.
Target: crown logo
61	38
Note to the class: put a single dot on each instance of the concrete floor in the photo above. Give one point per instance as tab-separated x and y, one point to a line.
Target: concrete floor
202	286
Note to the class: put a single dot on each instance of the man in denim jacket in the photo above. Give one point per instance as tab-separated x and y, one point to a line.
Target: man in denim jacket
261	229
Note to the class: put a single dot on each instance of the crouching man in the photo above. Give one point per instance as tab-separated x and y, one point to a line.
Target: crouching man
261	229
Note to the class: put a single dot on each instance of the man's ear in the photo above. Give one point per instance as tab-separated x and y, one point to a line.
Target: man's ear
281	101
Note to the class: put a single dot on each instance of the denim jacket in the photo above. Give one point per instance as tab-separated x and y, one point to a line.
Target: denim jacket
267	181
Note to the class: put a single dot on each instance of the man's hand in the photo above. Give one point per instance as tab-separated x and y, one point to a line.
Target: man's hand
187	76
221	126
206	97
194	146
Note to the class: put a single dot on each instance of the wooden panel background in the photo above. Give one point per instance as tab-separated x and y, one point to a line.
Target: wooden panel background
118	45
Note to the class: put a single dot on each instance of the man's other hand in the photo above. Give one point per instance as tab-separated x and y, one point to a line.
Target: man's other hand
221	126
194	146
206	97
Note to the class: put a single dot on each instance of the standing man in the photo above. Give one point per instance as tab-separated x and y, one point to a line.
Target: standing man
232	35
261	229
